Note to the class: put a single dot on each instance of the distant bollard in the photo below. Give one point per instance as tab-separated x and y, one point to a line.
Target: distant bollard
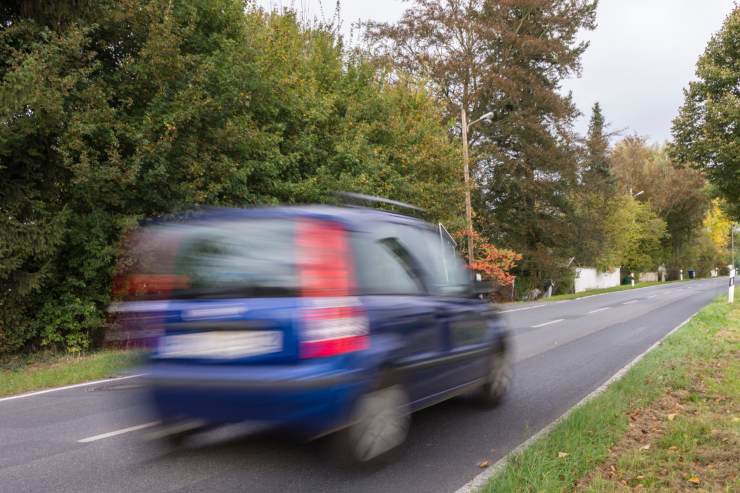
731	288
681	273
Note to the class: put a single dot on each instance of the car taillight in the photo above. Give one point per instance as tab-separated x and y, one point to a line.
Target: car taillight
336	324
323	258
333	330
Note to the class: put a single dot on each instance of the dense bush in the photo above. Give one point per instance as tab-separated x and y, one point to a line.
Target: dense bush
113	111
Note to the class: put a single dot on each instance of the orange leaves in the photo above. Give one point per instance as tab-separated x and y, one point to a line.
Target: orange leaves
495	263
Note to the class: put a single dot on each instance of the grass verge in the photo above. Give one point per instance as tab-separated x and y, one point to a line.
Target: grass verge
46	370
671	424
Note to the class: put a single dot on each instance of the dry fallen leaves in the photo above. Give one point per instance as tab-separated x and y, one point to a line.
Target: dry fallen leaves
562	455
645	447
483	464
694	480
671	416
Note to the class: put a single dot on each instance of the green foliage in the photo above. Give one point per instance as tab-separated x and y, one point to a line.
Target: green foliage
634	233
596	173
113	111
507	58
706	132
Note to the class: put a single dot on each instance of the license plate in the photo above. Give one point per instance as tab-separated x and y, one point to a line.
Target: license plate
221	344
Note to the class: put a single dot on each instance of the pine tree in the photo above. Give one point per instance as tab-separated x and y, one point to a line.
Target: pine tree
597	173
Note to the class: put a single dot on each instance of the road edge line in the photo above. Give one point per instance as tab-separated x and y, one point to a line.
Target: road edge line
665	283
66	387
482	478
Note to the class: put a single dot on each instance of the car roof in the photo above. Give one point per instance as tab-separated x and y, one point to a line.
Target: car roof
352	217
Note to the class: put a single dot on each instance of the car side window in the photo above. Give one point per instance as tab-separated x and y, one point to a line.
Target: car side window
384	266
445	273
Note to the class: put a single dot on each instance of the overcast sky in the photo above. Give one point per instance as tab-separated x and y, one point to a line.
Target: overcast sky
642	54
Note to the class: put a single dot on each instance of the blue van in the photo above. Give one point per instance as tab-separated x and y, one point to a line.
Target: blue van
325	321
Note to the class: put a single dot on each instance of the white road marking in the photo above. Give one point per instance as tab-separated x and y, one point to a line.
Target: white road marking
117	432
521	309
599	310
56	389
652	296
548	323
630	301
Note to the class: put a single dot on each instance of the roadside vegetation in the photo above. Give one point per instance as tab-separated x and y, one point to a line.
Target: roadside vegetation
670	424
19	374
115	111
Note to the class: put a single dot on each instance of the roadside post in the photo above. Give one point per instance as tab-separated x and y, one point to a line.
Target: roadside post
681	272
731	289
632	279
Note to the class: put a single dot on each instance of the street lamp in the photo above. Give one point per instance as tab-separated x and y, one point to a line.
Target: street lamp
466	168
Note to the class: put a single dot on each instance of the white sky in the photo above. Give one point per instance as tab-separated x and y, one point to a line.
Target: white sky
642	54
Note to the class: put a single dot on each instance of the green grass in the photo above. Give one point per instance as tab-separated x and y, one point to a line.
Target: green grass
590	432
45	370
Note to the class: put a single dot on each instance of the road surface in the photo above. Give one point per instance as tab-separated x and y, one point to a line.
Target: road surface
91	438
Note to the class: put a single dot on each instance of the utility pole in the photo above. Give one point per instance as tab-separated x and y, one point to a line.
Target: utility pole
465	126
466	171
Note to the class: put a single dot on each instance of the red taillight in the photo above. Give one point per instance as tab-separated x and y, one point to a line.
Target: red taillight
323	258
333	330
336	323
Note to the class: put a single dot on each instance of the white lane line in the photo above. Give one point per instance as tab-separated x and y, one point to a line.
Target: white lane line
548	323
652	296
630	301
56	389
117	432
521	309
599	310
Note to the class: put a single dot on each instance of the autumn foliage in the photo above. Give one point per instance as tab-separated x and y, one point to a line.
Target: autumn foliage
493	262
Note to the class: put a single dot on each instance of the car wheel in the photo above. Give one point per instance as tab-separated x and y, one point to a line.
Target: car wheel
379	425
497	380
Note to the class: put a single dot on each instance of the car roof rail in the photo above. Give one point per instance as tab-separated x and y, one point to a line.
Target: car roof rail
352	198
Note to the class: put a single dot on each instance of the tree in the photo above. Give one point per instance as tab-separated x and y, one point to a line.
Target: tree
495	263
718	226
706	132
634	236
114	111
596	172
508	58
678	195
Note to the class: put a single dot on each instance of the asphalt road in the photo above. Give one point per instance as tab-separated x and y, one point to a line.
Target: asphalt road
563	351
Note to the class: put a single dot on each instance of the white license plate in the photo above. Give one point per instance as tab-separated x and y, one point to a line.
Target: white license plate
220	344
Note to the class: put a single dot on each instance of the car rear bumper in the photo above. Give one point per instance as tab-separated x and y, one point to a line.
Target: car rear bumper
311	399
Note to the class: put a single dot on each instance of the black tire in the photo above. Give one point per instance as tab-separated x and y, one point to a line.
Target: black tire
378	427
497	381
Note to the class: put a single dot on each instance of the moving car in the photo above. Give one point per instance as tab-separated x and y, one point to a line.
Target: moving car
324	321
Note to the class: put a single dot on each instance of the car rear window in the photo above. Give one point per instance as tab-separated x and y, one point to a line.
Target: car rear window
218	259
